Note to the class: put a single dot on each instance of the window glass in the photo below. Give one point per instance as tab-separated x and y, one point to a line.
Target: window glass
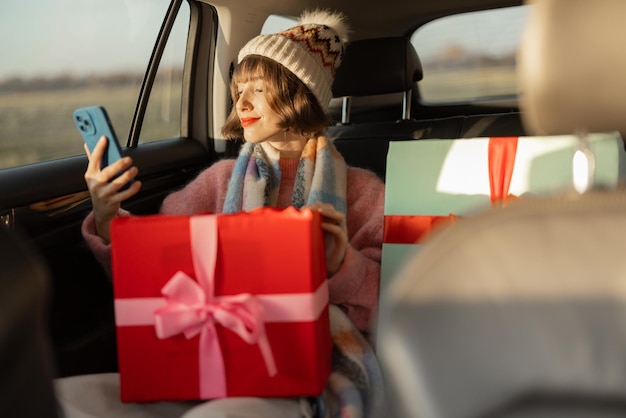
162	118
470	56
74	53
277	23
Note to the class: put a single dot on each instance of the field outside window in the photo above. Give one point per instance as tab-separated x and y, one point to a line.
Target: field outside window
471	56
80	53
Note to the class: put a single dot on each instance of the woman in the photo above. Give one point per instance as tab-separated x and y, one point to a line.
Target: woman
281	88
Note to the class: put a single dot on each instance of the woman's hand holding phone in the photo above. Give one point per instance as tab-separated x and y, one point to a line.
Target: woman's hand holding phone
107	186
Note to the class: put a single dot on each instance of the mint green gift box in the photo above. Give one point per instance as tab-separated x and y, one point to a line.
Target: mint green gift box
439	177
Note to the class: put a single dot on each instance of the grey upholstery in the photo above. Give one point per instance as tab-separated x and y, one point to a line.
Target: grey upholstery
513	310
521	311
572	78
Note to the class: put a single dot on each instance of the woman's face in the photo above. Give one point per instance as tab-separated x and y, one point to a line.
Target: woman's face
260	123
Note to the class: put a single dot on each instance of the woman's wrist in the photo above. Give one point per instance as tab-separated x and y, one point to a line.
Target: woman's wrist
103	230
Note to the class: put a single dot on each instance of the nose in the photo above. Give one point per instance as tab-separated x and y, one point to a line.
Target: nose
243	102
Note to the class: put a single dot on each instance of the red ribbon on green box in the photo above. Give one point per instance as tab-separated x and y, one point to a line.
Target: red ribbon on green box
410	229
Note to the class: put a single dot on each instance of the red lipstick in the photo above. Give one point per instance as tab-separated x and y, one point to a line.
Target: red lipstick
248	121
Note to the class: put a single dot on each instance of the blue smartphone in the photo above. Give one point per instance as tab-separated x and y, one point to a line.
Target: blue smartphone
93	122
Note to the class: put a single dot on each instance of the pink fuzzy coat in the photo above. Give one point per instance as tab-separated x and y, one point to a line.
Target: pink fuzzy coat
354	287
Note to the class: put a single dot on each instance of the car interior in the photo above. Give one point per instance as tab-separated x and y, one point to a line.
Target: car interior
25	349
454	338
516	312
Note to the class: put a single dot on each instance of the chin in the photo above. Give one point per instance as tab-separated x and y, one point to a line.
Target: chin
254	140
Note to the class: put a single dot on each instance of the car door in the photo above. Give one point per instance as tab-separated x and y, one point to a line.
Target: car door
156	93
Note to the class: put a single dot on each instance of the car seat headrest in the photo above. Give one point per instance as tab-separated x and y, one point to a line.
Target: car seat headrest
377	66
572	67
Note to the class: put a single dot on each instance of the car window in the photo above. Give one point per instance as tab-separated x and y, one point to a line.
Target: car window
471	56
276	23
78	53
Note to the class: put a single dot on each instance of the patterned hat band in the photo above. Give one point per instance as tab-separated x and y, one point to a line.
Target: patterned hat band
312	50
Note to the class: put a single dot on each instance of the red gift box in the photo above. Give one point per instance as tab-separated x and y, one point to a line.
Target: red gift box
212	306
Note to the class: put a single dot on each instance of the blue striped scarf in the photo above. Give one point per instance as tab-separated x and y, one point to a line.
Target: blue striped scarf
321	177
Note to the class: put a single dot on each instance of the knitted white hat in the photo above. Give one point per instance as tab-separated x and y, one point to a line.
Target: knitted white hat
312	50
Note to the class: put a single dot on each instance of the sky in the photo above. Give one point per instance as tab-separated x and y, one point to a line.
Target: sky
491	32
78	37
54	37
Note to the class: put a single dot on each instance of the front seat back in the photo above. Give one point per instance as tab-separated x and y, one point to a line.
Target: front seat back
515	309
520	311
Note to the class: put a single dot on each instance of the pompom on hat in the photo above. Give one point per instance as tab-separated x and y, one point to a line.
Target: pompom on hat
312	50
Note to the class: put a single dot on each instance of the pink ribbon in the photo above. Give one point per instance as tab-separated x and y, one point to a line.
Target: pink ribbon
189	307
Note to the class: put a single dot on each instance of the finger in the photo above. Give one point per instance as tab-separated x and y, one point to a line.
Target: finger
317	205
130	192
123	179
312	206
95	158
106	176
98	150
333	215
113	196
337	230
327	210
117	167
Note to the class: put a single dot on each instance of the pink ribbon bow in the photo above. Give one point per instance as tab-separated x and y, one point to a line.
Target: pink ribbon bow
189	307
192	309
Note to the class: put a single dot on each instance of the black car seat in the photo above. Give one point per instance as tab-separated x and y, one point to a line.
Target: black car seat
521	311
371	68
377	66
26	364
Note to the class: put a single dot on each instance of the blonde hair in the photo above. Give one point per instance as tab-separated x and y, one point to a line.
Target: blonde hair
297	107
